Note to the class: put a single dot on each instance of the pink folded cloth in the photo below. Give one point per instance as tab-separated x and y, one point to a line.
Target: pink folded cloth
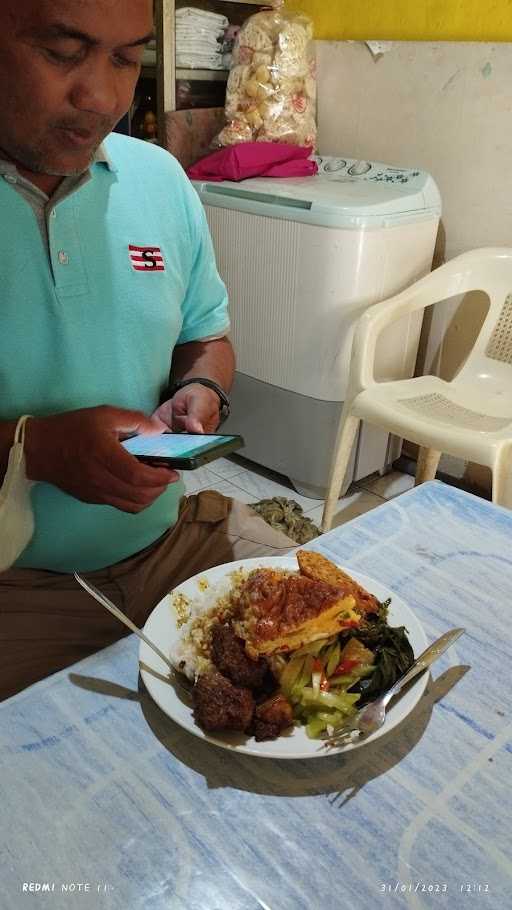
255	159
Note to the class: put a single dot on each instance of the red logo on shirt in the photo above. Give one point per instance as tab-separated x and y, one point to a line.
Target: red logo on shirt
146	258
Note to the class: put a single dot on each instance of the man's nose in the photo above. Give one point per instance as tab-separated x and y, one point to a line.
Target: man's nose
95	89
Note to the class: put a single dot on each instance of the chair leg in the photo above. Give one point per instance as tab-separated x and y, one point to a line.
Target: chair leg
502	479
427	465
342	452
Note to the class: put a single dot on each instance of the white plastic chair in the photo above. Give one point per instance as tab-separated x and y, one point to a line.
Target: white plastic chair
469	417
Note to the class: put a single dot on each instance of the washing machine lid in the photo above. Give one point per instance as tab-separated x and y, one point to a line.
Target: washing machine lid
346	192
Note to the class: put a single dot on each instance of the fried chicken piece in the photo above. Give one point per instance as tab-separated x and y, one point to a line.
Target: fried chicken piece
219	705
230	657
314	565
271	717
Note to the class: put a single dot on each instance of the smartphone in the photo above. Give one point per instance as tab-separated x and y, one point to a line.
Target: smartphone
181	450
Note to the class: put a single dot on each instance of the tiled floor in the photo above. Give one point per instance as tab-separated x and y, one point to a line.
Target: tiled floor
248	482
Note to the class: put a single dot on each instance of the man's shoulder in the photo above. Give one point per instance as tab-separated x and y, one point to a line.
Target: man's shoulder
127	152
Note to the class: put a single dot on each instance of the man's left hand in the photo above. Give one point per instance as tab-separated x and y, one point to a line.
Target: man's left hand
193	409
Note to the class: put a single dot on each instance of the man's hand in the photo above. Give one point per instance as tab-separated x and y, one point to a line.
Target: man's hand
194	409
79	451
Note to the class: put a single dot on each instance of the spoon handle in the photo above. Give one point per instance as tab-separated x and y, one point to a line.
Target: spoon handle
424	661
122	618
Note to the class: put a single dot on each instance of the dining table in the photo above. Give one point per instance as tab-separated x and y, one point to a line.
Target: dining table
106	802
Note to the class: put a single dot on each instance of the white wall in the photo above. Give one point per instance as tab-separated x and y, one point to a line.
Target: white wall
444	107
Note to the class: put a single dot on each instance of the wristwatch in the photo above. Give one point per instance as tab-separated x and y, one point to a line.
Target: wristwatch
210	384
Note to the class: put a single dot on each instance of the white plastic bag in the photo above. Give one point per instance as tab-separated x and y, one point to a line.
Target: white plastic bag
271	90
16	516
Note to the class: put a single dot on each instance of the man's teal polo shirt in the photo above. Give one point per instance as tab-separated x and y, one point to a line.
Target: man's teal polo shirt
130	274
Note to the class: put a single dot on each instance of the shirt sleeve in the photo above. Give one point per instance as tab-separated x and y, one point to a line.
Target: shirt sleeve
205	306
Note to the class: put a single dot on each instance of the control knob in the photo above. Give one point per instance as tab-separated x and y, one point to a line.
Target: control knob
359	168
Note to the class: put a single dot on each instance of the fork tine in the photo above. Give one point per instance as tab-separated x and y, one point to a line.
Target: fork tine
352	723
340	739
343	733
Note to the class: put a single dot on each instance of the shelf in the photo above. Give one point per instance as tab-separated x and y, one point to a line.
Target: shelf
164	72
192	75
197	75
249	3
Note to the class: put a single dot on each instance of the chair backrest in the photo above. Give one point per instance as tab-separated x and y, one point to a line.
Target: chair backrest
488	270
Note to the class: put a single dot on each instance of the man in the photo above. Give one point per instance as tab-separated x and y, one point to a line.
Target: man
107	272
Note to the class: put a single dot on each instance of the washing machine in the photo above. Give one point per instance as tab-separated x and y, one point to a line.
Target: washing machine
302	259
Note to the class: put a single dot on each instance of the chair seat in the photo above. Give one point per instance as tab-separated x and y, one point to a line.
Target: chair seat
437	414
469	417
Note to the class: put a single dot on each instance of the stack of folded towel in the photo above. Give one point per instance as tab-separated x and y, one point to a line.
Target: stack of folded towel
199	35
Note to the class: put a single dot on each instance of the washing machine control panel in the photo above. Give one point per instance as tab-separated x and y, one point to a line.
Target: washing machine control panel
349	170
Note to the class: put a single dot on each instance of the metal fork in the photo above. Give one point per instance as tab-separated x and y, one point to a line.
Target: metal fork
371	718
174	675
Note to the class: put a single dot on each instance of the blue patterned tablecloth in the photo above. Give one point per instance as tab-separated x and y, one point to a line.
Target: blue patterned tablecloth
106	803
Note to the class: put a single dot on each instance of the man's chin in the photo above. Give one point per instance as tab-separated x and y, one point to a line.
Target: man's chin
52	159
71	155
68	165
67	170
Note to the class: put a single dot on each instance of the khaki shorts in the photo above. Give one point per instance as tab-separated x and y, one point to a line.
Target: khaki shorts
47	622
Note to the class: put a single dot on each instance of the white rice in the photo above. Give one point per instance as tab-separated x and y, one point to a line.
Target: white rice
194	618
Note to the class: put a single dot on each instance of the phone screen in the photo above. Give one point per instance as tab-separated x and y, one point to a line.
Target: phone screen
179	446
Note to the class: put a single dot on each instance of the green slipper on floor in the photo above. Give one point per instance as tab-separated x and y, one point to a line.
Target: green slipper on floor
287	516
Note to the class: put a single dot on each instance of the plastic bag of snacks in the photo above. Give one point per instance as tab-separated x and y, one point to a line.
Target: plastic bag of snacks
271	90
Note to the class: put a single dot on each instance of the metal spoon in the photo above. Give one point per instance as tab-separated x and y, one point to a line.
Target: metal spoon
174	675
371	718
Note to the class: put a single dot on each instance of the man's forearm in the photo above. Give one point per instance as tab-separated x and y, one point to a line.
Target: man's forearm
209	359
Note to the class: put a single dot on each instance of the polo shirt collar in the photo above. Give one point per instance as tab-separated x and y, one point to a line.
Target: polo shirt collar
102	157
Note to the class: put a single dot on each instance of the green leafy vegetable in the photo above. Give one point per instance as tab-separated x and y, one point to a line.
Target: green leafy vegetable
393	654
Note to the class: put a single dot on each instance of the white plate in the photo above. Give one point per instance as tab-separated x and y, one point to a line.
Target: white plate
161	628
